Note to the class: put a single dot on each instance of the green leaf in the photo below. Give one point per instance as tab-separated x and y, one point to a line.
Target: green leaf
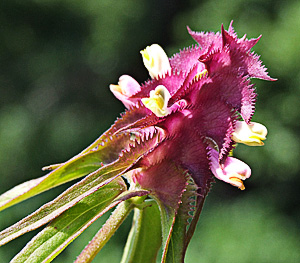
185	222
121	124
78	166
77	192
167	220
56	207
197	211
176	248
111	225
144	239
69	225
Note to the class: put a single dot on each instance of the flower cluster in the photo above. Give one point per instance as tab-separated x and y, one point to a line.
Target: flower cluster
201	102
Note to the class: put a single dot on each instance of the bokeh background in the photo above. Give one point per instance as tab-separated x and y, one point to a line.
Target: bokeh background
57	59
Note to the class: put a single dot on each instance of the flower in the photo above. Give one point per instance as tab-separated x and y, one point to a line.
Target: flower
127	86
250	134
156	61
233	171
158	101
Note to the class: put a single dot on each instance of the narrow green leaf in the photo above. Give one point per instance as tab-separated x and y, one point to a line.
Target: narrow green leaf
78	166
69	225
7	197
74	194
144	239
175	253
121	124
198	208
108	229
60	204
167	220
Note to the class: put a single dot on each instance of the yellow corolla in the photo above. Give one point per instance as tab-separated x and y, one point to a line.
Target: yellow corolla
251	134
158	101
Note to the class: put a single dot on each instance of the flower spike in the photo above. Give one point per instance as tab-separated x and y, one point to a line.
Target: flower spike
158	101
251	134
156	61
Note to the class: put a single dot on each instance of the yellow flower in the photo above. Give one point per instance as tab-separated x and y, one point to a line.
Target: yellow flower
251	134
158	101
156	61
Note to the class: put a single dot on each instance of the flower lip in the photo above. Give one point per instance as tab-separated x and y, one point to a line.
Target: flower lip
127	86
237	182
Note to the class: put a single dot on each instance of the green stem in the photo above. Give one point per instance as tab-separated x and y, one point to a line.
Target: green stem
106	232
144	240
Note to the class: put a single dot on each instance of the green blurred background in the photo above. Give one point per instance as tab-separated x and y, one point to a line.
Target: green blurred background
57	61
